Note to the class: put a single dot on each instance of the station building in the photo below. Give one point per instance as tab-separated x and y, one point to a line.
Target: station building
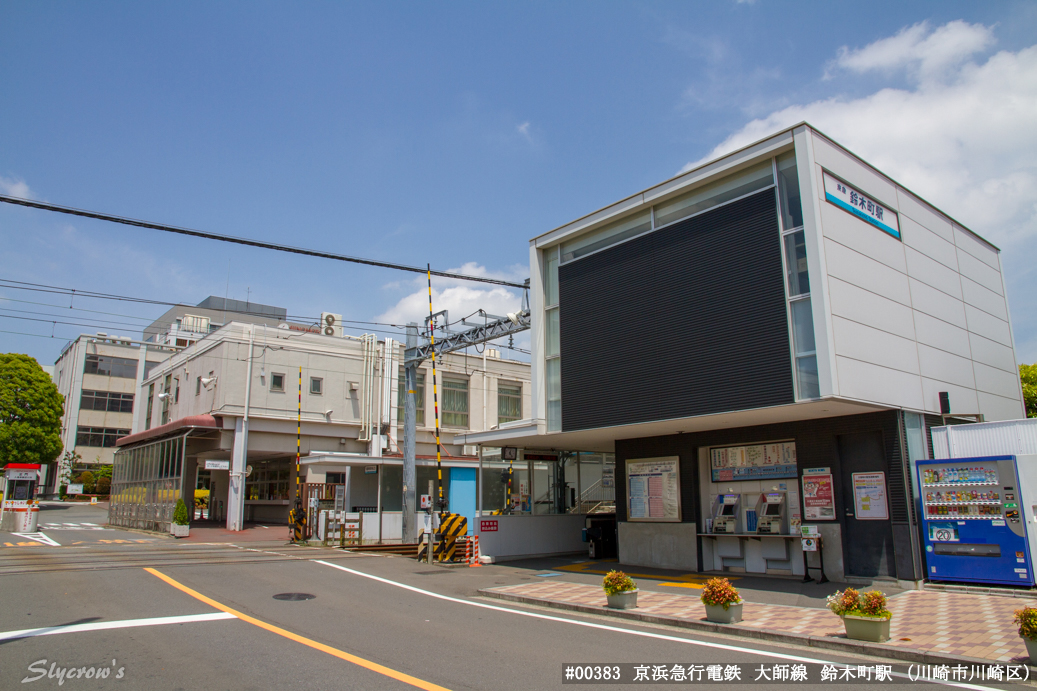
763	343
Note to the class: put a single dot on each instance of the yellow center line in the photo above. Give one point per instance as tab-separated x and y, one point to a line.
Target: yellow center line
367	664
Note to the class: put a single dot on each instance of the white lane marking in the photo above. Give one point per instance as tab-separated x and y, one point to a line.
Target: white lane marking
121	624
645	634
39	537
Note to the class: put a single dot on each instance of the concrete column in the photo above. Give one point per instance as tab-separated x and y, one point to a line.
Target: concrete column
236	486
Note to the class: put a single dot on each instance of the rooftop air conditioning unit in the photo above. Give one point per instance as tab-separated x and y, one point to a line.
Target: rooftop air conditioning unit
331	324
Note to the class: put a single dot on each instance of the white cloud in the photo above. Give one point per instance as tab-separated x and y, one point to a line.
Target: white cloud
461	298
523	129
923	53
962	134
16	188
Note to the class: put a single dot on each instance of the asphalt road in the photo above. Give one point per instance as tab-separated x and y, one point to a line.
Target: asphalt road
374	622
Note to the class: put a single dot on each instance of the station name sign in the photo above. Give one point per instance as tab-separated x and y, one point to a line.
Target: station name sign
860	205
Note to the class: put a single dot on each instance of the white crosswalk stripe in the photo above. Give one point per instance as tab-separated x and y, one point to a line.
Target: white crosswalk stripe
72	526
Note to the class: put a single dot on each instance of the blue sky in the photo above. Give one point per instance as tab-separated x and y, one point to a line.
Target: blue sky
451	133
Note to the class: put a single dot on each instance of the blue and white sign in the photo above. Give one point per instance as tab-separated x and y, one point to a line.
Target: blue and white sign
861	206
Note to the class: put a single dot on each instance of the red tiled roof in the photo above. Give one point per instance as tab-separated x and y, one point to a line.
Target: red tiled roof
184	423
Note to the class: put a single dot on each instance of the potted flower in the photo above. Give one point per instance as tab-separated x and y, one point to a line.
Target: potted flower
722	601
181	526
864	614
1026	618
620	590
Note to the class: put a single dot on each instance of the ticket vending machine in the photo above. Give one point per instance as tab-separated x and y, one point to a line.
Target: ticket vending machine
727	515
20	510
978	519
771	516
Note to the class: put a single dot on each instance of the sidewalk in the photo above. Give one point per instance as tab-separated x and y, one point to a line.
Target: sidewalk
927	626
204	531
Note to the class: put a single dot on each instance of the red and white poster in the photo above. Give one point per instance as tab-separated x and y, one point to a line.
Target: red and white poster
818	497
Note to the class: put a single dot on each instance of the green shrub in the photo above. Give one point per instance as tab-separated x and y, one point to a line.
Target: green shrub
617	582
1026	618
719	591
87	478
103	486
180	516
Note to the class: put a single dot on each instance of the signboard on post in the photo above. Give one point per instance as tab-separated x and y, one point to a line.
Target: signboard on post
217	465
818	496
74	489
869	496
653	489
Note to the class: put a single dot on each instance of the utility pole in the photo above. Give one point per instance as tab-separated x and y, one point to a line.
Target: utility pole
409	429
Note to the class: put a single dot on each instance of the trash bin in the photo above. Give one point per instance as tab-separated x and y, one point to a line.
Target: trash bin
601	536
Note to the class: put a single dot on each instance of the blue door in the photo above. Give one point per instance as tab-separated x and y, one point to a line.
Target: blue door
462	494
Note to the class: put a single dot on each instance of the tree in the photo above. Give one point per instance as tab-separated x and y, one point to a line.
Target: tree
1028	377
30	412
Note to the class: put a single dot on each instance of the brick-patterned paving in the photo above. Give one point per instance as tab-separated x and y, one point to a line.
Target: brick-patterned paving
977	626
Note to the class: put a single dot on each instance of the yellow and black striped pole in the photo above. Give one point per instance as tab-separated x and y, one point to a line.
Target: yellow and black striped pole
300	510
435	397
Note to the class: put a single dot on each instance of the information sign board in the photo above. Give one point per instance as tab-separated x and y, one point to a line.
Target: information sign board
755	462
818	497
653	489
869	496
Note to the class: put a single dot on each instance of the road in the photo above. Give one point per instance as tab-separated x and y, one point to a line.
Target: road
172	615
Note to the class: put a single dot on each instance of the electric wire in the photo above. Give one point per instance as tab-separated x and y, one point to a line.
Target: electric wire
246	241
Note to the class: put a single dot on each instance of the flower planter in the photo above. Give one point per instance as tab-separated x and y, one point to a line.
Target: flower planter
624	600
719	615
179	530
1031	649
874	629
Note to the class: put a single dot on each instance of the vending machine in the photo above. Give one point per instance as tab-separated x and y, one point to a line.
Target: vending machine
770	509
977	518
726	514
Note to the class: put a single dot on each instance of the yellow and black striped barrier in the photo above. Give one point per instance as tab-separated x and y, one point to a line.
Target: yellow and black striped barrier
451	527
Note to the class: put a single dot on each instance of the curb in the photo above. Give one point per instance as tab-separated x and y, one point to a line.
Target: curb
823	642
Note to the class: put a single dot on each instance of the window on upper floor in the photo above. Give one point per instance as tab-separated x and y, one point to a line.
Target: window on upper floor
108	366
455	403
509	402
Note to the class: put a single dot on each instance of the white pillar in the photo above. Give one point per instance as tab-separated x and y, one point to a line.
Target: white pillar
236	477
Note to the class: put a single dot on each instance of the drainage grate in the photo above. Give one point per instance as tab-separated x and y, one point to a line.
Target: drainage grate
294	597
430	573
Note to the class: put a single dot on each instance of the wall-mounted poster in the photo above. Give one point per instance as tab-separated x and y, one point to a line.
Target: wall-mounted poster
869	496
818	497
654	489
756	462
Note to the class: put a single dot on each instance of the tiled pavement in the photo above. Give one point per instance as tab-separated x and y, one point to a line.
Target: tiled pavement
975	626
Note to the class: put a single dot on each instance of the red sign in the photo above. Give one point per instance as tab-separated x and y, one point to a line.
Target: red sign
488	526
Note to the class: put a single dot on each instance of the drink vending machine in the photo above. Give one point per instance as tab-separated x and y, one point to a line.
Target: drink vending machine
978	520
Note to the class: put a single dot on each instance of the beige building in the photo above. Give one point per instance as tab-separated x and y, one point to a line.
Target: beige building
227	408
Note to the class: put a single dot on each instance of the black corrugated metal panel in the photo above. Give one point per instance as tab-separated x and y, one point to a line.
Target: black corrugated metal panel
688	320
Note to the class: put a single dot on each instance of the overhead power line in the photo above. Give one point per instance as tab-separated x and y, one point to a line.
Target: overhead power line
246	241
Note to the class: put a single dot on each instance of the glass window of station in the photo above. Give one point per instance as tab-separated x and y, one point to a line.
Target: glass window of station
780	172
548	482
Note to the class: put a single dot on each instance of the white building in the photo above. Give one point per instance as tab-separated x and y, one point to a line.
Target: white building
222	416
784	316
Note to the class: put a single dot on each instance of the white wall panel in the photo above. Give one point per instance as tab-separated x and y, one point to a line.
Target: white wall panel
963	400
976	247
868	382
987	300
996	408
919	211
845	166
865	343
939	334
988	326
990	353
862	306
864	272
937	304
996	381
933	273
946	367
928	243
848	230
979	272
